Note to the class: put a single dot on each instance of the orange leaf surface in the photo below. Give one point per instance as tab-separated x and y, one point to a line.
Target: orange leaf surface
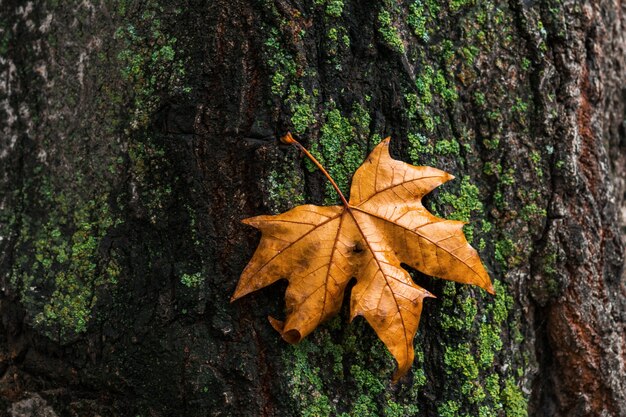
320	249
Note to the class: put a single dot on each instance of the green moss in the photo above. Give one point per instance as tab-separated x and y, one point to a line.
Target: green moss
301	106
389	32
503	250
149	62
446	91
419	147
479	98
447	147
471	361
515	403
365	406
334	8
551	286
492	143
532	212
447	52
463	312
69	259
549	263
459	359
456	5
492	168
431	89
449	291
365	380
535	157
463	204
337	43
66	260
366	386
280	61
487	411
419	376
393	409
412	105
361	120
306	386
492	384
419	105
192	280
333	34
278	80
287	83
508	178
418	19
469	54
520	106
424	83
489	343
338	149
449	409
285	187
525	63
502	304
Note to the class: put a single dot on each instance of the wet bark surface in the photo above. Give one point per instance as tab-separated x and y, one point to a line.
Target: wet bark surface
135	137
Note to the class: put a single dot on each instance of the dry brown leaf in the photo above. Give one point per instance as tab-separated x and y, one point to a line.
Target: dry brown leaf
319	249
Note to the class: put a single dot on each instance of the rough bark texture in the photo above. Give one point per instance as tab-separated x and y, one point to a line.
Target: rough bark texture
136	135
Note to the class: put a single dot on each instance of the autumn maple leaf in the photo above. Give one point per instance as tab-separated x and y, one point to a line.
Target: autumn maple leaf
320	249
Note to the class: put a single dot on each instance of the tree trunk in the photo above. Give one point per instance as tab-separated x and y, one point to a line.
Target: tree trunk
137	135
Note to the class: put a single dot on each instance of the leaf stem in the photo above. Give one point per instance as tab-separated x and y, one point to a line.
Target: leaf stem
288	139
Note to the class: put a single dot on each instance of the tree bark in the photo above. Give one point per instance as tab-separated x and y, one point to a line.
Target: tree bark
137	135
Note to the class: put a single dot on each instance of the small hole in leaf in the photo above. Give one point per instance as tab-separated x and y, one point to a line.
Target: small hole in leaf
358	248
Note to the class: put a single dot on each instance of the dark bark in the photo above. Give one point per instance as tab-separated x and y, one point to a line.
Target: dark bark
135	137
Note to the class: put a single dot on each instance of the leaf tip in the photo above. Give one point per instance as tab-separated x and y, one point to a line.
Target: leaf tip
236	295
251	221
276	324
291	336
400	372
490	289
